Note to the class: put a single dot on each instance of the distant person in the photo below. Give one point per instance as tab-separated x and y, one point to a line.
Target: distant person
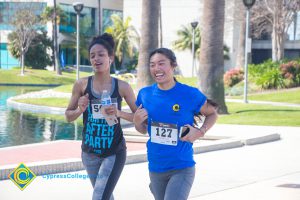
103	146
164	109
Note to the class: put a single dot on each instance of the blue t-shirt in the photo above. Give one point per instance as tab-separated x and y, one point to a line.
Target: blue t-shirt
177	105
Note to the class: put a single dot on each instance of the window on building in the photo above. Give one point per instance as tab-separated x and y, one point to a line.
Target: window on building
9	9
87	20
294	29
6	60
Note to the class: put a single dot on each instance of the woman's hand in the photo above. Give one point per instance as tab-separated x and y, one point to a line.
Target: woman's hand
111	110
193	134
139	119
140	115
83	102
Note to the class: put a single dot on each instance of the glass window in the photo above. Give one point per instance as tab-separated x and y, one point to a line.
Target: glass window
294	29
6	60
9	9
87	20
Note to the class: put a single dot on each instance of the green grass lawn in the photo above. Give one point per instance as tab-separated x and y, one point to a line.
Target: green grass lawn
188	81
257	114
38	77
53	102
287	95
250	114
64	88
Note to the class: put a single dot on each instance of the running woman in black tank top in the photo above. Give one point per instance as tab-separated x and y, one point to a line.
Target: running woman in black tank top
103	146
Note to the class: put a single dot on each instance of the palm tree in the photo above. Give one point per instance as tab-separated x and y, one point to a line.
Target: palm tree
185	39
211	57
99	16
160	30
125	35
149	40
49	15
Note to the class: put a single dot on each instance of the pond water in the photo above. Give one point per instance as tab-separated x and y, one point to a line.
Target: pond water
17	128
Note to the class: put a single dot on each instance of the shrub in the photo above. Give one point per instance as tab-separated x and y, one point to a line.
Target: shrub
233	76
291	72
267	75
271	79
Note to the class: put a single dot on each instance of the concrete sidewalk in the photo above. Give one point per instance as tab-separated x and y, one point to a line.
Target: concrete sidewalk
65	156
250	172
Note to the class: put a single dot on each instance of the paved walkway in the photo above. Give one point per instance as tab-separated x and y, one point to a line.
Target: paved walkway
237	173
63	156
257	172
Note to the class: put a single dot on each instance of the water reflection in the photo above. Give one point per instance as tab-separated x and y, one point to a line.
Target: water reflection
17	128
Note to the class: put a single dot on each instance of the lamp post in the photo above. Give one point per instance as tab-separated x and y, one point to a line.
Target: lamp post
78	6
0	50
194	25
248	4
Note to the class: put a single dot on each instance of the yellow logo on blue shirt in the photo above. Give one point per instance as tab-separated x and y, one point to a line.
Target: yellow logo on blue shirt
21	176
176	107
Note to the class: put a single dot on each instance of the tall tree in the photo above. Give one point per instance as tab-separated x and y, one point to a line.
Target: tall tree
25	23
149	40
56	16
160	30
125	35
37	56
239	17
211	57
185	39
279	14
240	58
100	17
55	45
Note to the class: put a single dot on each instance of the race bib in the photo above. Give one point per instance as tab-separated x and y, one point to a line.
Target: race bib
96	109
163	133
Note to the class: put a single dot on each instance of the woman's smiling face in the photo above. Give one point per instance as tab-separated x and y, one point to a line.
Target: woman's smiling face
161	69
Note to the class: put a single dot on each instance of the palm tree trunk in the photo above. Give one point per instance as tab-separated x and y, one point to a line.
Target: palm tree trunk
56	56
149	40
240	59
211	57
100	17
160	43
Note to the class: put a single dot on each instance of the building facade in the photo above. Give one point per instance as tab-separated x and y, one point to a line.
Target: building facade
95	17
176	13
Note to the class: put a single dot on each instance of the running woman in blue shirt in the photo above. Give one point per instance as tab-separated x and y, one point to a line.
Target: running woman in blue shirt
163	108
103	145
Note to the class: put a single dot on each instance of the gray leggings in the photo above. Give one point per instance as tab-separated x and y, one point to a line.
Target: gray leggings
172	185
104	173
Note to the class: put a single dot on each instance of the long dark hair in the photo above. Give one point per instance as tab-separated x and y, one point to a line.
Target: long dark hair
198	117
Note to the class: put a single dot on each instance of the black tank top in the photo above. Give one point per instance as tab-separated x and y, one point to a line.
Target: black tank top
97	136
